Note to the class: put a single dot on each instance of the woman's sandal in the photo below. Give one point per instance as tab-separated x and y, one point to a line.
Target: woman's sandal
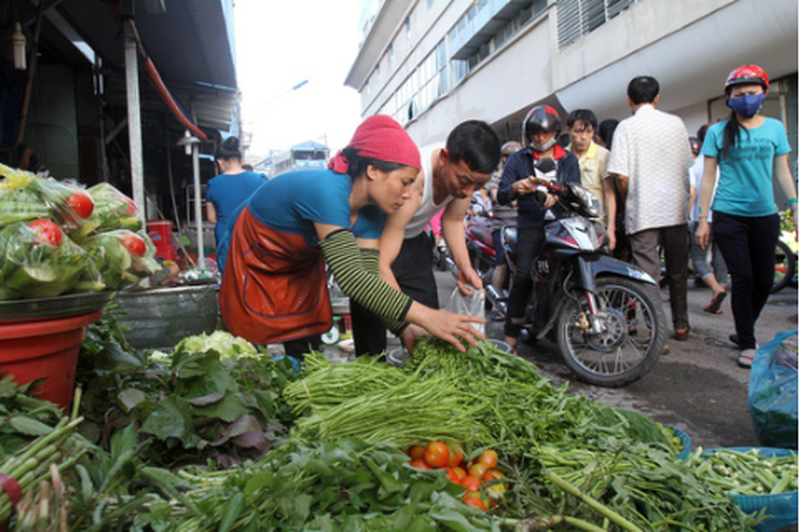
716	302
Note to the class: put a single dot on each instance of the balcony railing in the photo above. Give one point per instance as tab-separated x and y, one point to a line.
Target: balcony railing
576	18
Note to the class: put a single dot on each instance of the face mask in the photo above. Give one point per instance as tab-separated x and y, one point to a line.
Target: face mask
747	105
544	147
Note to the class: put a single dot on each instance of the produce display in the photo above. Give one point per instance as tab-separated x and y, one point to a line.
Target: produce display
57	238
219	436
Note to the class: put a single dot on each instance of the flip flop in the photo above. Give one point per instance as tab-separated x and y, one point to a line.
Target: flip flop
716	302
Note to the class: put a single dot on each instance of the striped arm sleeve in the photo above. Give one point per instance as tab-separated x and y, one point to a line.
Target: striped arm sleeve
365	287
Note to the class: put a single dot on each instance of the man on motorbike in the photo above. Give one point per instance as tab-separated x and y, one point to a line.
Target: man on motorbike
540	129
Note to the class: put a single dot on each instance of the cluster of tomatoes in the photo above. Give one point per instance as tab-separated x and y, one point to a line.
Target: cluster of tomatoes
471	475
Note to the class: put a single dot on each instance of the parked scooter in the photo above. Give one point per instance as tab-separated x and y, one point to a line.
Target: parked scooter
605	313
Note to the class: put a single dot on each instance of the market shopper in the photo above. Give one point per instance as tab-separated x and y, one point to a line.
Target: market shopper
747	148
540	129
228	190
274	287
650	160
715	274
450	175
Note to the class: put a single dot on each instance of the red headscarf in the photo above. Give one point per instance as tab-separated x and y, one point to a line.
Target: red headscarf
380	138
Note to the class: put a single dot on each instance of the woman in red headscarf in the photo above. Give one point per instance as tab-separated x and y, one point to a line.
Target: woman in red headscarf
274	289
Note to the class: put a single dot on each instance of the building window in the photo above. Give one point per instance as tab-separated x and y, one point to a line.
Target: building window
390	55
576	18
407	25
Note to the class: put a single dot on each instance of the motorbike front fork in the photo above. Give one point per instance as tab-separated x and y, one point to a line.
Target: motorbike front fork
594	322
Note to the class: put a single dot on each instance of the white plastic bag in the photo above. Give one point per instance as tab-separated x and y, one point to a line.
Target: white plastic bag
469	305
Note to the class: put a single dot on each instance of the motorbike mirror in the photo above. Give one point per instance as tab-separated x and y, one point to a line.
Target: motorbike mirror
545	165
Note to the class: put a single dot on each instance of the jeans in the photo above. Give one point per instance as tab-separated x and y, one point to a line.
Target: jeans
675	242
748	245
529	243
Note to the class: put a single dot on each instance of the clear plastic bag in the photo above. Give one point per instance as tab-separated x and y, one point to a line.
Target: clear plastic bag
469	305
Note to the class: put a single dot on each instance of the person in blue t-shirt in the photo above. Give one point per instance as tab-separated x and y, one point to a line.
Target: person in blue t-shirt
229	189
274	287
747	148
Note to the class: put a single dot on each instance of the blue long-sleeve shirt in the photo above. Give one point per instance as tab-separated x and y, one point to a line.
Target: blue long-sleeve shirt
520	166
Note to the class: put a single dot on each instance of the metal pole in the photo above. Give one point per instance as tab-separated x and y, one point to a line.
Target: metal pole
198	208
134	121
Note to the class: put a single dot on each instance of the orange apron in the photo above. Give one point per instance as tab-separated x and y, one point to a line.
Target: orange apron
273	289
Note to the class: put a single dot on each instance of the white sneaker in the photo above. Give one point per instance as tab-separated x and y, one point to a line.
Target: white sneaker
746	358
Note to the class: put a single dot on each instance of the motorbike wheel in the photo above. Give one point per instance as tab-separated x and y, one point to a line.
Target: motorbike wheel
634	335
785	264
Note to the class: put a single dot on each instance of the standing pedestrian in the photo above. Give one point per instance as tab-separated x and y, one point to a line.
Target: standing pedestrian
593	159
228	190
747	148
651	158
714	275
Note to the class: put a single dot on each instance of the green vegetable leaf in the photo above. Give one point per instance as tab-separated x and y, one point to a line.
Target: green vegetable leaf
172	418
29	427
130	398
228	409
233	509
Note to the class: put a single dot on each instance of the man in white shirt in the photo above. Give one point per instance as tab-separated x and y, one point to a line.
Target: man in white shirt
650	158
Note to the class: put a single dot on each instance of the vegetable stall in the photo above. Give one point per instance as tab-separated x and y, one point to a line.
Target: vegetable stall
216	434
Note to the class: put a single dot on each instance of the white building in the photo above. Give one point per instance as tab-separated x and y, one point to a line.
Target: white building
434	63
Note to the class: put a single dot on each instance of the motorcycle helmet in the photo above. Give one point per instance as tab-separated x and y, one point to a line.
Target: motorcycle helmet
541	118
510	147
747	74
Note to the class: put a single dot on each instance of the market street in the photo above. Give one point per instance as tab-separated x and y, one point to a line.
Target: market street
697	388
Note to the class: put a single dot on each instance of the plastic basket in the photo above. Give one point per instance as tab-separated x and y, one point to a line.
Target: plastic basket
781	507
685	440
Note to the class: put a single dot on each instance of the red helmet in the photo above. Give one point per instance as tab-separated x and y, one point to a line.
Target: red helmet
541	117
747	74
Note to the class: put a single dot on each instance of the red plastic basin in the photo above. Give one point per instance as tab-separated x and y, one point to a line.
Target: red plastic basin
45	348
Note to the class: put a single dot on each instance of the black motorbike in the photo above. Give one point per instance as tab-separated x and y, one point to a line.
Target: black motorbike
605	314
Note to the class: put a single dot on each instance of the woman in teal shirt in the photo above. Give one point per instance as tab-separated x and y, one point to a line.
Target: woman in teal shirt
748	148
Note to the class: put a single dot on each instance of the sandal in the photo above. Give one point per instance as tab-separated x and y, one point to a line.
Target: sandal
682	334
745	359
714	306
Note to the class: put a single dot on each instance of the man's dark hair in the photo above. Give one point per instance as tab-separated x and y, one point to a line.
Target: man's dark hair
701	133
582	115
475	143
643	89
605	131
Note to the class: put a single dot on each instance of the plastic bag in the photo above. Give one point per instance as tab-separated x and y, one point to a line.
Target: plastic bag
117	259
469	305
112	210
772	392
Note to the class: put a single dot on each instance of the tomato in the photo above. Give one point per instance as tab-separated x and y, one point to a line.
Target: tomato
459	471
491	474
416	451
419	463
477	470
454	478
133	243
456	455
80	203
131	209
437	454
471	483
47	232
476	502
488	458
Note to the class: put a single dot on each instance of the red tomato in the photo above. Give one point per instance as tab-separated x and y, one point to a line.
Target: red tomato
80	203
131	209
419	463
471	483
477	470
488	458
456	455
459	471
475	501
47	232
417	451
437	454
452	475
134	243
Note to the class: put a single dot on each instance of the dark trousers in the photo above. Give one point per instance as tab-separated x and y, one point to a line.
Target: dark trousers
675	243
748	246
298	348
413	269
529	243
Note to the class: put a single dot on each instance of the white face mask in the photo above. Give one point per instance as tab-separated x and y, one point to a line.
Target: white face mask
544	147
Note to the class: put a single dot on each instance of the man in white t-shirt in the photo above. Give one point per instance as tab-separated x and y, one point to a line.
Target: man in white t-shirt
450	175
650	157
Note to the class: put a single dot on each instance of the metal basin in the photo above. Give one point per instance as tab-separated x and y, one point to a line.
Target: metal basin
161	317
